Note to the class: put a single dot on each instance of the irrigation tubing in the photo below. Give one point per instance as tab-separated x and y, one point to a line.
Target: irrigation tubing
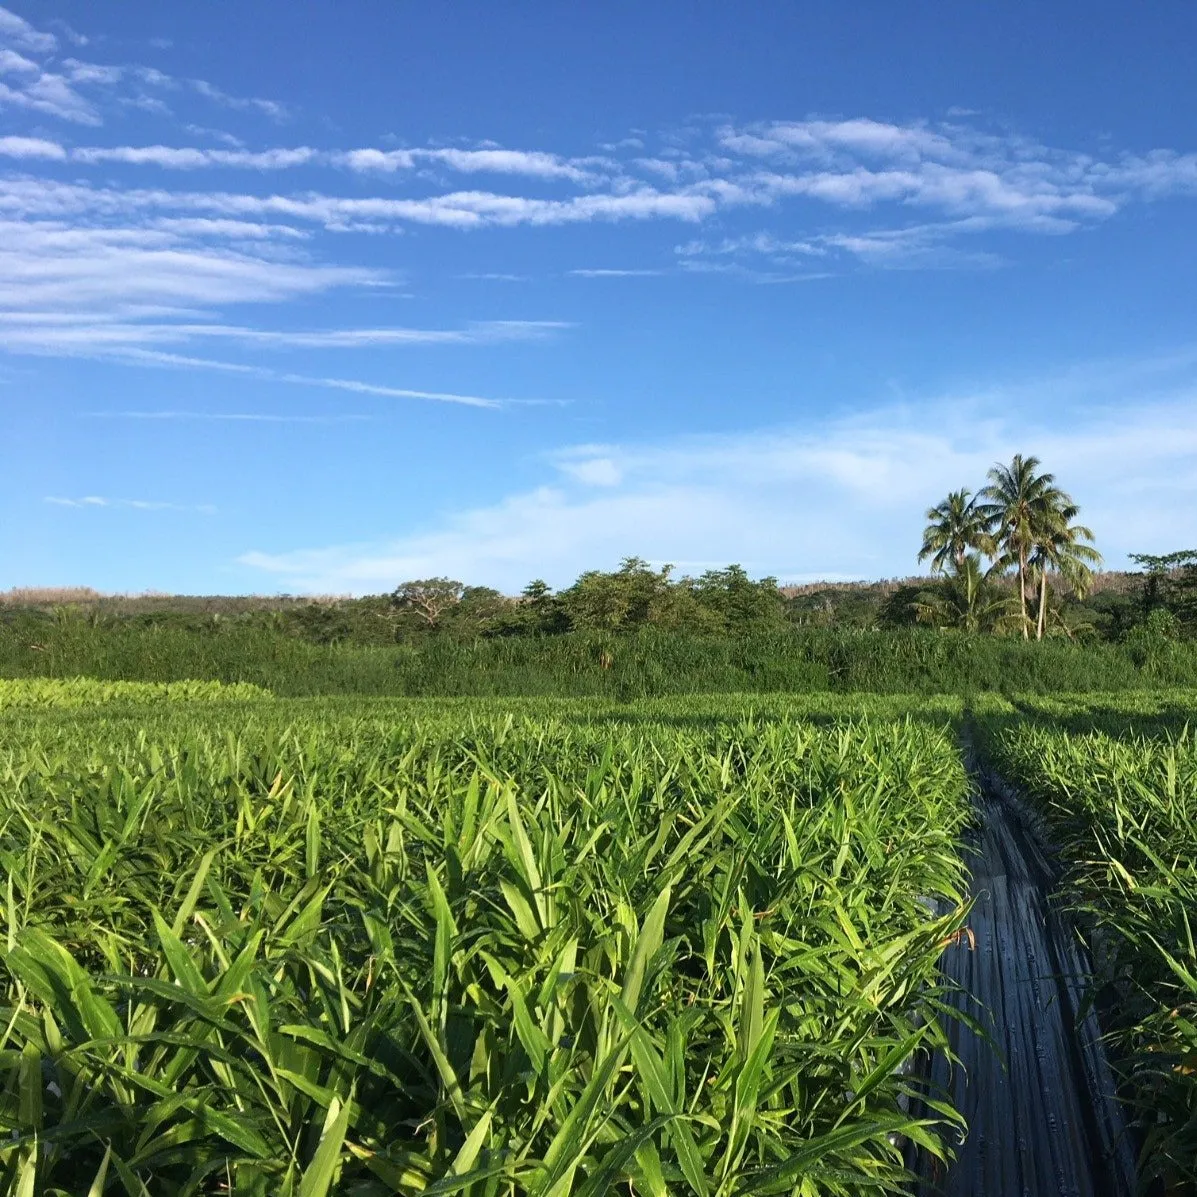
1036	1089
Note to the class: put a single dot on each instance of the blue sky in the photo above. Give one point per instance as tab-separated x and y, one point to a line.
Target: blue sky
322	298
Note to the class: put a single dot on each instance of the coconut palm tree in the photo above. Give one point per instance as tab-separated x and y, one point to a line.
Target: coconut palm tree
1061	550
954	527
1018	507
967	602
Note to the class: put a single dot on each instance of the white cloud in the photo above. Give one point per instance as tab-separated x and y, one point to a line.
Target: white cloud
153	357
191	158
233	230
12	63
836	498
821	139
590	470
534	163
233	417
54	92
94	501
18	32
220	135
965	181
382	161
31	147
270	108
103	330
460	209
93	72
49	94
46	265
603	272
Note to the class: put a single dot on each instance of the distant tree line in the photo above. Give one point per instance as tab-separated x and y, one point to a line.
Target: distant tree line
1010	560
636	595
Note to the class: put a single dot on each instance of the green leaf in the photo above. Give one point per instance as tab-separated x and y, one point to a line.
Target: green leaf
648	943
97	1185
319	1175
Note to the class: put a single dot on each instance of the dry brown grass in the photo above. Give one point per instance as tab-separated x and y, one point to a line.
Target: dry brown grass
41	596
882	586
149	601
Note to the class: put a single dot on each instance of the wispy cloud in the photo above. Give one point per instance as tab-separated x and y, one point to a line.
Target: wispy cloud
97	501
864	481
495	276
606	272
458	209
153	357
192	158
533	163
32	147
270	108
53	266
43	332
46	93
232	417
72	89
17	31
910	246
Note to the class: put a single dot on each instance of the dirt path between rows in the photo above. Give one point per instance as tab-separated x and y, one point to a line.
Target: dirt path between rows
1038	1099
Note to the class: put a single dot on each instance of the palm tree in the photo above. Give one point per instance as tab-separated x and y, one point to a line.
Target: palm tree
967	601
954	526
1060	550
1018	508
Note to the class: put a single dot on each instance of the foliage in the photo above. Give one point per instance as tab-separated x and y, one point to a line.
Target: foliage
1170	583
1031	522
647	662
86	692
968	601
320	949
615	602
1118	786
427	600
956	527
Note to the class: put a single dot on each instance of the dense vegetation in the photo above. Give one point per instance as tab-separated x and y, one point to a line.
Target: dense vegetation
322	947
87	692
532	945
643	663
352	946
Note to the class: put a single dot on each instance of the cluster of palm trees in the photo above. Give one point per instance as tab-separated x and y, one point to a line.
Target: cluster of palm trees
1023	523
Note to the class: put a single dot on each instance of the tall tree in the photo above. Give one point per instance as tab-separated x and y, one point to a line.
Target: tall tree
954	528
428	599
1060	549
1018	508
967	601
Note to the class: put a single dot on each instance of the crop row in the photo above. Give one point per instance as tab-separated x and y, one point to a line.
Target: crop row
1117	783
86	692
518	955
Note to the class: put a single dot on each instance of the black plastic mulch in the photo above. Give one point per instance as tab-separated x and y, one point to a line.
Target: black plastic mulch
1038	1094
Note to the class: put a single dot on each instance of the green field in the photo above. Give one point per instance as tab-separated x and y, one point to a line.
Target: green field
305	946
586	664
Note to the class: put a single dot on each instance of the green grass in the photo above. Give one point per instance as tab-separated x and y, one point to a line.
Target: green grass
89	692
310	947
645	664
